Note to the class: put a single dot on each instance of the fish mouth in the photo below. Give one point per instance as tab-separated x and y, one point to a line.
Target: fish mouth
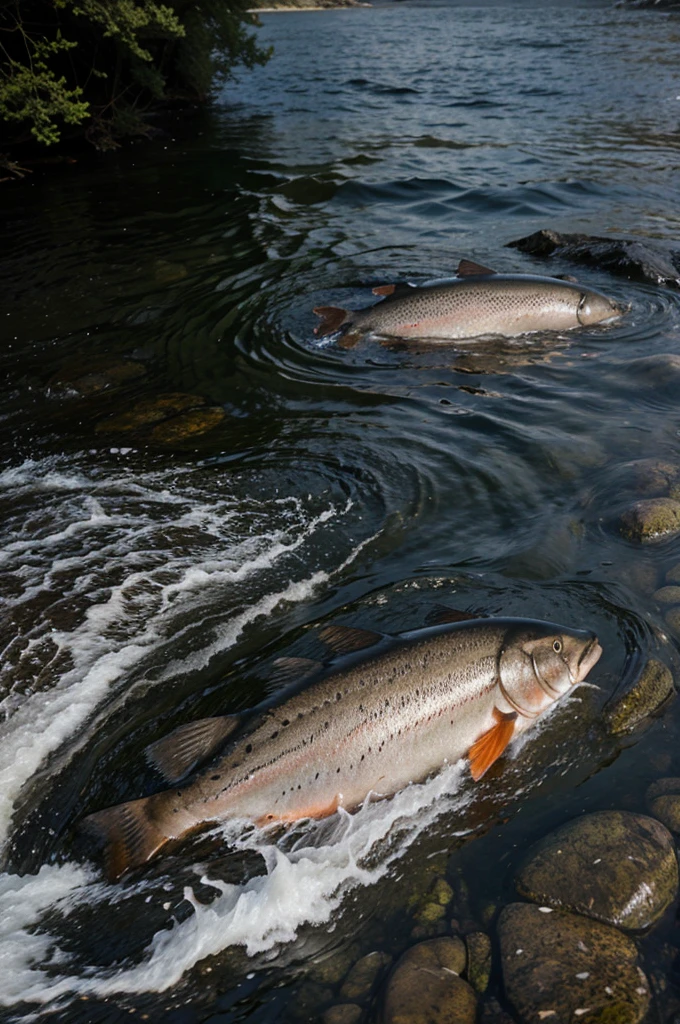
589	657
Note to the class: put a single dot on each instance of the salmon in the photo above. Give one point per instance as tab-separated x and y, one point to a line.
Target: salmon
396	714
480	302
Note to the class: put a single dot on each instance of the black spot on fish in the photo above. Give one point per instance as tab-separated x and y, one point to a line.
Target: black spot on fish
214	778
249	747
363	756
325	725
316	776
337	769
338	696
274	735
286	721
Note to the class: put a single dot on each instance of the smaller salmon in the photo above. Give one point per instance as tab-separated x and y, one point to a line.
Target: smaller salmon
420	701
480	302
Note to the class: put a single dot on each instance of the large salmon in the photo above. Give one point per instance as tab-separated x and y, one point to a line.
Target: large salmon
480	302
418	702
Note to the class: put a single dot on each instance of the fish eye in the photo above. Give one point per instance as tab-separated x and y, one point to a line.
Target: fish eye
557	646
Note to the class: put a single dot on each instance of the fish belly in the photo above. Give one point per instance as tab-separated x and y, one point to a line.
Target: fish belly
369	758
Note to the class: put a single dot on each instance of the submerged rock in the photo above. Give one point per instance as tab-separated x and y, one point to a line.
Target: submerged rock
663	801
653	519
653	478
649	692
478	960
362	977
165	418
148	411
614	866
627	257
559	967
425	986
432	906
189	424
342	1013
90	377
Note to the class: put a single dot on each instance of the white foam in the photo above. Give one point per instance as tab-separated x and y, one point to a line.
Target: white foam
303	886
111	571
136	556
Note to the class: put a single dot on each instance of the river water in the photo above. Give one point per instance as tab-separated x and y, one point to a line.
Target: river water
151	578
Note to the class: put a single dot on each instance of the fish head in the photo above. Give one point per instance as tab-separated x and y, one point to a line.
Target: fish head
595	308
538	665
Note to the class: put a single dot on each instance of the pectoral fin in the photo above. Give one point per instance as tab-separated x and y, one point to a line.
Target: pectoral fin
491	744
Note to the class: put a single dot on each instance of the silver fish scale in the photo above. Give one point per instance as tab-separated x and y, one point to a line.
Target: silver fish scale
353	719
504	305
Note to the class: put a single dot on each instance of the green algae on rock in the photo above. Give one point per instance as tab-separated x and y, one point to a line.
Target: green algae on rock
148	411
650	520
478	960
663	801
559	967
425	986
649	692
614	866
189	424
363	976
84	378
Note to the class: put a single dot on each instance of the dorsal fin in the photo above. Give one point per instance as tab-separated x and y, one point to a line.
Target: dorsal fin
293	670
441	614
468	268
332	319
347	639
188	746
393	289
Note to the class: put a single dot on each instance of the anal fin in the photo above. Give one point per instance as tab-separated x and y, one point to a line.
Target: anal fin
491	744
188	746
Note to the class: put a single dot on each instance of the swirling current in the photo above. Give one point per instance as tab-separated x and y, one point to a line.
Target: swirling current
193	483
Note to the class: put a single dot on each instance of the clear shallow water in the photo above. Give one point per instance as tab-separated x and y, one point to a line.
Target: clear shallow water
147	583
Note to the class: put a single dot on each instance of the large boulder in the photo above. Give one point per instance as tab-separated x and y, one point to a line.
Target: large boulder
558	967
633	258
614	866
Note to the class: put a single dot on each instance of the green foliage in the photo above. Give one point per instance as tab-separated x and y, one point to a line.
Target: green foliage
95	66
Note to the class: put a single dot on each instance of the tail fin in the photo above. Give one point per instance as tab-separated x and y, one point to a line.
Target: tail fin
332	319
131	836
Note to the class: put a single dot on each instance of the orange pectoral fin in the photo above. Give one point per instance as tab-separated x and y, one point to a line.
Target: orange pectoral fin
491	744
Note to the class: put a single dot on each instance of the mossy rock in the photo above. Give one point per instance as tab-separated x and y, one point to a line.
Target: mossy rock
148	411
652	478
85	377
187	425
673	575
559	968
650	691
663	801
478	960
654	519
613	866
667	595
425	986
363	976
